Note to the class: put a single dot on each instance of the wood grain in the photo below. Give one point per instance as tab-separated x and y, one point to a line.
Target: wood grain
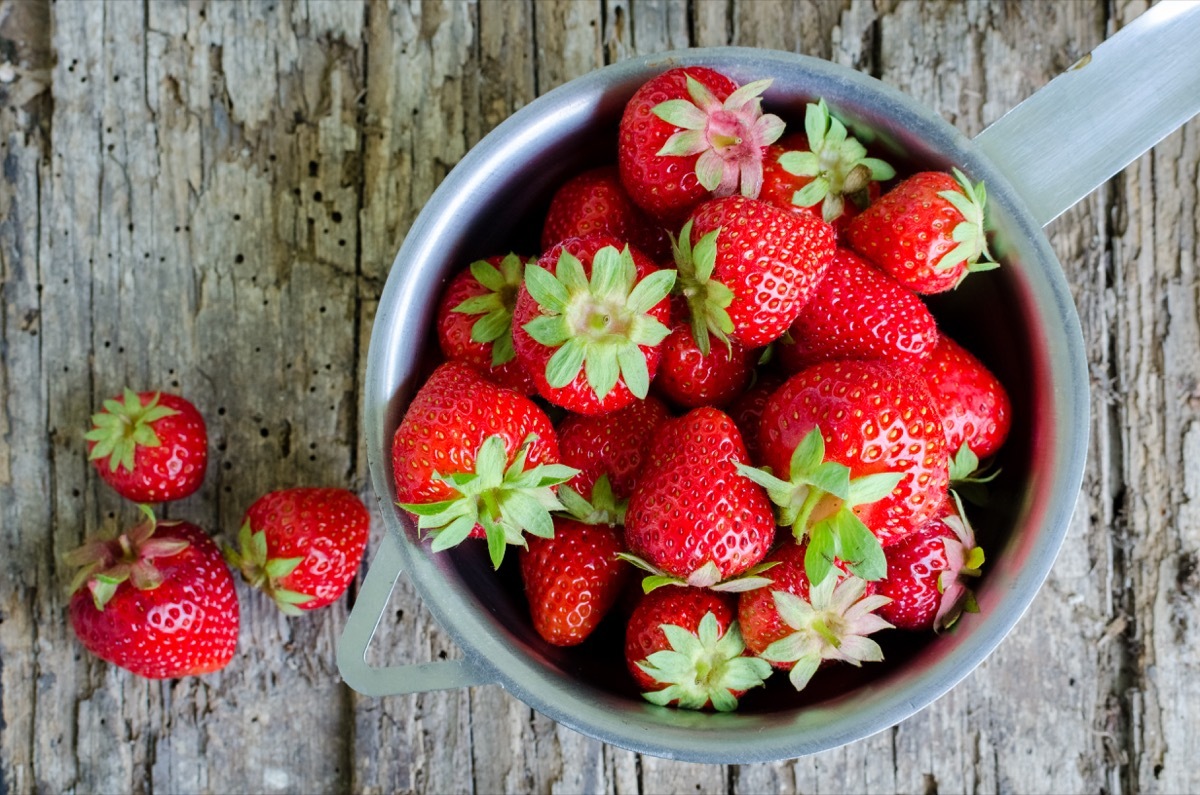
208	197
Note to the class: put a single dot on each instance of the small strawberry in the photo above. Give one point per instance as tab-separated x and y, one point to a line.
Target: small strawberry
973	404
928	573
829	623
855	456
858	312
302	546
612	445
156	600
689	377
471	458
927	232
823	168
588	323
595	202
747	268
692	517
149	446
690	134
474	320
683	648
573	579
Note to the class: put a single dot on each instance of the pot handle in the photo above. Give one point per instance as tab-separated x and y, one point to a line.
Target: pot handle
1134	89
360	628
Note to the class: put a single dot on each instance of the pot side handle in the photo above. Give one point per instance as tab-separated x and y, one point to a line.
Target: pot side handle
1134	89
360	628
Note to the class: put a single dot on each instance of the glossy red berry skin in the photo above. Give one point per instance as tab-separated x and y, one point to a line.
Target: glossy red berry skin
613	444
974	405
681	606
689	378
595	202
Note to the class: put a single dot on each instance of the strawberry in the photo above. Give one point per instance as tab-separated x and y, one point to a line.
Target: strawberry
820	170
854	456
474	320
690	134
973	404
588	322
747	268
928	571
692	517
595	202
572	579
156	600
683	648
302	546
471	458
689	377
746	411
149	446
610	445
927	232
858	312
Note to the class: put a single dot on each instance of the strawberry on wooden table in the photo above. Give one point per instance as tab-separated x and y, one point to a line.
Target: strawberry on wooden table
588	323
595	202
927	232
149	446
747	268
573	579
683	648
692	517
690	134
156	600
471	458
858	312
302	546
474	319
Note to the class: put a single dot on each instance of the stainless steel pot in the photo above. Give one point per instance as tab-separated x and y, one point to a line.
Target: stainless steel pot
1036	161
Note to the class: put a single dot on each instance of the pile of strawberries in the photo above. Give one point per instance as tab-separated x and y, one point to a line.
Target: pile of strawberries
158	599
716	407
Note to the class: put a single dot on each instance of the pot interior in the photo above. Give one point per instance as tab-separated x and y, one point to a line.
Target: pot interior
1018	319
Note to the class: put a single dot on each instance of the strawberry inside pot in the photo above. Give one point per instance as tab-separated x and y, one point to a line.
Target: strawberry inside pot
1017	318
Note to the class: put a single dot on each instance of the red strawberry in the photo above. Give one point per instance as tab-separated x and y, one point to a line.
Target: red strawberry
689	377
302	546
928	571
927	232
690	134
156	600
747	268
973	404
683	648
857	312
572	579
596	202
612	444
746	411
588	323
692	517
471	458
860	459
474	320
799	627
820	170
149	446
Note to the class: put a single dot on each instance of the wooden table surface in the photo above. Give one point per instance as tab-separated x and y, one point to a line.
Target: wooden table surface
206	197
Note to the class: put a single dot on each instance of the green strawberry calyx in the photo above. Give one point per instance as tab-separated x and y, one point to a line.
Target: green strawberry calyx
969	478
836	163
705	576
730	137
703	667
708	300
818	502
964	561
495	307
972	249
106	561
598	324
602	508
505	498
832	624
252	558
123	426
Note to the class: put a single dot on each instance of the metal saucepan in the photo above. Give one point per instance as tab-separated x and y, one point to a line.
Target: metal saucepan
1036	161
